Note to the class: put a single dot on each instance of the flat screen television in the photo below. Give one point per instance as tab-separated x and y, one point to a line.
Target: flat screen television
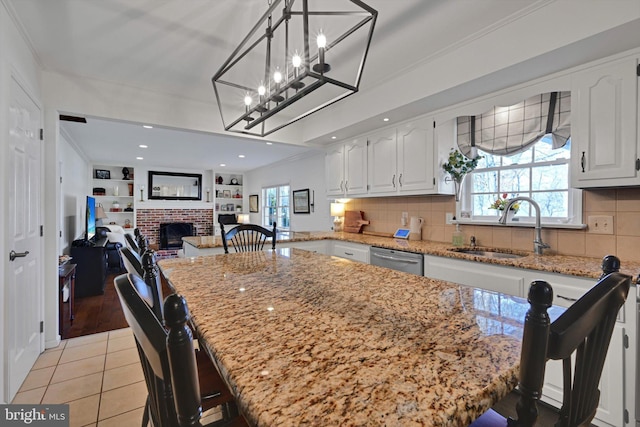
90	219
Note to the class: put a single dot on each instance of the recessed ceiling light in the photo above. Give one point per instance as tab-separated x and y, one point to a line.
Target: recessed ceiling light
222	165
143	146
147	126
139	158
269	143
334	137
386	119
241	156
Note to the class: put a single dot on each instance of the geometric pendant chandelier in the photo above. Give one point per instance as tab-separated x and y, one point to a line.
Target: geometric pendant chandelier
300	57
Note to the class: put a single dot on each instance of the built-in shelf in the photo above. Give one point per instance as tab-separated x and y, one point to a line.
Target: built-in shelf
108	185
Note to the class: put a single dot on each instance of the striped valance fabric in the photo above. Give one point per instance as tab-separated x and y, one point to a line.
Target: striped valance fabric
512	129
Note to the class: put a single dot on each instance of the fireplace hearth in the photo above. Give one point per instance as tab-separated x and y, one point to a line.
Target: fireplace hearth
171	234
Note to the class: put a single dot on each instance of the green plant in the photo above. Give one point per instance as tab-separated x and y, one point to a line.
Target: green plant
458	165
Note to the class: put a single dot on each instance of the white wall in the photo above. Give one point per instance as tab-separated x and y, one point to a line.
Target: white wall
299	173
74	172
15	60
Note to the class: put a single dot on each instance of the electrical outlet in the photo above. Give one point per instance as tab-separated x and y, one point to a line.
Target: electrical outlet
600	224
449	217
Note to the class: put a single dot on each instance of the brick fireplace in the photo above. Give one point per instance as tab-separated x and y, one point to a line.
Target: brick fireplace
148	222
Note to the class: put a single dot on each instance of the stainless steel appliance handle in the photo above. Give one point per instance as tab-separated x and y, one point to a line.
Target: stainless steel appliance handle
390	258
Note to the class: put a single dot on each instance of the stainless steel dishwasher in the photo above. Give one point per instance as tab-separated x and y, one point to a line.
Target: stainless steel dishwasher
408	262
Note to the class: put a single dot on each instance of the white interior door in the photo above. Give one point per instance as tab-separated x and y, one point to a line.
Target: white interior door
23	302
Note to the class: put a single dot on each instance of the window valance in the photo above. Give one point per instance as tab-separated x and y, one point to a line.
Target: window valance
509	130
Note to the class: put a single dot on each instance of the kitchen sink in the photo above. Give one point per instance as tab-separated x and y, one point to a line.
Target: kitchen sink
487	253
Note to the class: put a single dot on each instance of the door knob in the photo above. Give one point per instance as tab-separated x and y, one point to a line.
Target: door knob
13	255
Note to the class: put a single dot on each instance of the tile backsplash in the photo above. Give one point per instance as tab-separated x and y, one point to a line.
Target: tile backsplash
622	203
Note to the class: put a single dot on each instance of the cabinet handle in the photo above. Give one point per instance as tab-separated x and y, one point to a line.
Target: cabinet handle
582	161
346	186
393	180
341	185
567	298
349	253
400	180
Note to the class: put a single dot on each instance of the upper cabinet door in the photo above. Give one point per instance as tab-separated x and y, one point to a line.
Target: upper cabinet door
355	161
416	156
382	162
604	112
334	170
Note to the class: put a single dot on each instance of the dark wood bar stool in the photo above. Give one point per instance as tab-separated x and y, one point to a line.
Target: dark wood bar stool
169	362
585	329
247	237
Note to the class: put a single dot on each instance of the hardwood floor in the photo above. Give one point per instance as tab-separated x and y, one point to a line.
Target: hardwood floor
95	314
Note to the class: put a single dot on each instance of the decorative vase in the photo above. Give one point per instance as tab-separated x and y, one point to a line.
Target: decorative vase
457	183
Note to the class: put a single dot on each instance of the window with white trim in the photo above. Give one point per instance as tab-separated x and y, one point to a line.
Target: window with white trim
275	207
540	172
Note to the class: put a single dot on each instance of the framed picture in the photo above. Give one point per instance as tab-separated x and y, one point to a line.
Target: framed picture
226	194
103	174
301	202
253	203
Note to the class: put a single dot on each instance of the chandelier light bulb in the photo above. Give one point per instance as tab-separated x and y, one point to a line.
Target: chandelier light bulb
247	100
277	76
321	67
296	61
322	41
262	90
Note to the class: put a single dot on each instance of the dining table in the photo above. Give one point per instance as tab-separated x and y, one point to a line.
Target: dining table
306	339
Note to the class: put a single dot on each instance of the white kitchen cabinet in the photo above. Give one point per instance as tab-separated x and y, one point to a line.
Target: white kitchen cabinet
352	251
382	159
506	280
401	159
346	168
604	116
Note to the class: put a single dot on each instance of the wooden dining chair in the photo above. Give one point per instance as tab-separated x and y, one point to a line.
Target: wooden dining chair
131	243
585	329
247	237
169	362
131	260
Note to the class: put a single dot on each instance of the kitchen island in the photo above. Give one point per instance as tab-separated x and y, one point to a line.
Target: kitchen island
309	339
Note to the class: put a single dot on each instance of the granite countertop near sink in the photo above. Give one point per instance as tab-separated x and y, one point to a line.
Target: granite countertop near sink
562	264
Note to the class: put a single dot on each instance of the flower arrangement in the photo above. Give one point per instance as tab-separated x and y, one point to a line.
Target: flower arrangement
501	203
458	165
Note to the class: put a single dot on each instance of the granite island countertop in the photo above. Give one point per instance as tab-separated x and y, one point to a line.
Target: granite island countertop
310	339
562	264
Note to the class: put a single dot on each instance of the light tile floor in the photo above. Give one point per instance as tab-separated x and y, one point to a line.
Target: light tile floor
98	375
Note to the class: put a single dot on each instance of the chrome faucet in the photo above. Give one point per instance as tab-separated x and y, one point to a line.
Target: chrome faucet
538	244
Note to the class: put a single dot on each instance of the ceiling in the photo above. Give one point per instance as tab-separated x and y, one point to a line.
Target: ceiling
174	47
